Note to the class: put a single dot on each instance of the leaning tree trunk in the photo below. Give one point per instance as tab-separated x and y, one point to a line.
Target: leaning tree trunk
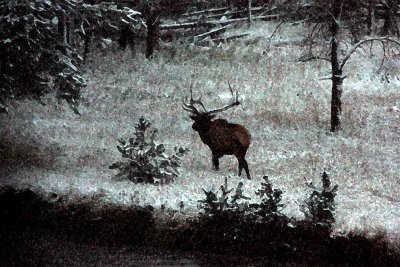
337	79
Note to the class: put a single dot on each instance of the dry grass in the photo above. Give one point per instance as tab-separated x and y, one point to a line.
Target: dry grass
285	107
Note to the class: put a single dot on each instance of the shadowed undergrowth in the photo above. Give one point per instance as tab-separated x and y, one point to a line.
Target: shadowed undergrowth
280	240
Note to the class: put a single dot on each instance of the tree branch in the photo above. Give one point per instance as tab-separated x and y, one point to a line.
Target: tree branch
312	57
273	34
383	57
334	17
357	45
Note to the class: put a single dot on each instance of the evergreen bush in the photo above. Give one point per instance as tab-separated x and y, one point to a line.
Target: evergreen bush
144	159
270	206
319	207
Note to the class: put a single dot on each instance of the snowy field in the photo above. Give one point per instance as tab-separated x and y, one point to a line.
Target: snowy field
286	106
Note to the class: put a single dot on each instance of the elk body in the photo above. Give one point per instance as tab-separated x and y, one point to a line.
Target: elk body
222	137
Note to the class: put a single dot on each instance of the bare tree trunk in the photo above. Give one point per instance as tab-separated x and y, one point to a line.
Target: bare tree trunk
249	13
389	24
153	34
387	21
67	30
87	42
63	29
395	9
127	37
337	79
369	16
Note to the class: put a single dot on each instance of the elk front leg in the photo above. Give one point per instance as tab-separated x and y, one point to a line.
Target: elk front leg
215	160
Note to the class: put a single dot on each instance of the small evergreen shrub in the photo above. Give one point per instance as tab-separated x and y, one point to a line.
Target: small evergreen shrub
270	206
144	159
320	205
215	204
222	224
229	222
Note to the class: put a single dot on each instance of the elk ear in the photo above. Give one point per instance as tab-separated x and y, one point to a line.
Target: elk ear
193	117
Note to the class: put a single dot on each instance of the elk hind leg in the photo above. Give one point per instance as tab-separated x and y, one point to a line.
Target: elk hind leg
246	168
243	165
240	167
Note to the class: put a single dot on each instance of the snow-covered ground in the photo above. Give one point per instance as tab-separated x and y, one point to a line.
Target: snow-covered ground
286	106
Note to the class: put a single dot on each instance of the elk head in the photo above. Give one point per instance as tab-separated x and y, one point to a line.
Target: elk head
222	137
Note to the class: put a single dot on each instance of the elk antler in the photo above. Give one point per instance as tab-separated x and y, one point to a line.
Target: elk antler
190	106
235	98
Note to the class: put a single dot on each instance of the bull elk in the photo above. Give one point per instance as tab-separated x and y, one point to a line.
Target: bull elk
222	137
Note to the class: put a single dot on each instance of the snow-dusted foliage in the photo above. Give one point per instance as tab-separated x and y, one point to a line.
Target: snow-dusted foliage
218	203
145	160
270	206
38	55
33	51
320	205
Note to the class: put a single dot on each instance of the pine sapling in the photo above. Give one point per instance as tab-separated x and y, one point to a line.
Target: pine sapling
145	160
270	206
216	203
320	205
